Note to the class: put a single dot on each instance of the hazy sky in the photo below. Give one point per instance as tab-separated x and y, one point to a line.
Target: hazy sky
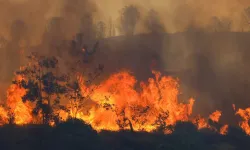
178	13
175	14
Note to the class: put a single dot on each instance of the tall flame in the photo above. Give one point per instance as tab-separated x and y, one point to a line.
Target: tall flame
116	99
245	115
121	103
215	116
20	111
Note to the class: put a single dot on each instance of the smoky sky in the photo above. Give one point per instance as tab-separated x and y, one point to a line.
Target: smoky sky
175	14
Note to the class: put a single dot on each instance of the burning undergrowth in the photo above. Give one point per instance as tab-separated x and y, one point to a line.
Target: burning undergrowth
40	94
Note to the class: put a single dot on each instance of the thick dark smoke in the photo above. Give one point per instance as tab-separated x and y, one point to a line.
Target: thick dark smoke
201	47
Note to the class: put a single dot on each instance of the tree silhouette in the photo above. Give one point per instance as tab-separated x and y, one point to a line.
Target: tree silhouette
246	17
101	30
123	121
54	30
18	30
87	28
53	36
43	84
129	17
221	24
160	122
111	28
76	99
153	23
80	48
3	42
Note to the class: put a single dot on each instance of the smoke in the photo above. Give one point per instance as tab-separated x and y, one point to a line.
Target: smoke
178	52
178	14
37	14
175	14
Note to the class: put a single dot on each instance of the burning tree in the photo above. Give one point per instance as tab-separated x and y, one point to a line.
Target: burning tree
76	99
43	84
78	90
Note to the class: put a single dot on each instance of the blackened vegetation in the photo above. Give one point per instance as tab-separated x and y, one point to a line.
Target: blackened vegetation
75	134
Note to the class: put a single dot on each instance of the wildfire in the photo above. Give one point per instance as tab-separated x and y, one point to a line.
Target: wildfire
116	100
215	117
224	129
3	116
121	103
20	111
200	122
245	115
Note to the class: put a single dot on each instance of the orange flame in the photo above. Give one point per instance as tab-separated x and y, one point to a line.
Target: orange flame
245	115
3	116
120	103
20	111
224	129
215	116
115	103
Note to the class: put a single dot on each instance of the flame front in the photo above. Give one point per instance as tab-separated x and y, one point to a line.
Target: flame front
121	103
16	111
215	116
245	115
20	111
224	129
116	103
